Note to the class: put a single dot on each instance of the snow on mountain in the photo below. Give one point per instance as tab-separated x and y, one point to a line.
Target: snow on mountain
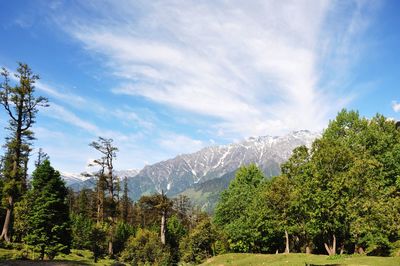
177	174
71	178
121	174
90	182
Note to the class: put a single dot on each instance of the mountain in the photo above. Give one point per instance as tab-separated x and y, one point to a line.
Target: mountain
185	171
72	179
204	174
91	181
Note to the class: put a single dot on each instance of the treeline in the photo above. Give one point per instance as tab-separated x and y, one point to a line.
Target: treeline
42	218
340	196
155	229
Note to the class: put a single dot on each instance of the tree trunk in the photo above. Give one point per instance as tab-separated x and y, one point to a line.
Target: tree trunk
331	249
4	234
163	228
287	242
110	248
308	250
14	175
358	250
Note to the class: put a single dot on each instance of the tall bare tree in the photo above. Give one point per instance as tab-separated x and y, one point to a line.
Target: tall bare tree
107	183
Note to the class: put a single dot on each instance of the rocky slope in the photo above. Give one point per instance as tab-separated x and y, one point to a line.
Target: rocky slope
184	171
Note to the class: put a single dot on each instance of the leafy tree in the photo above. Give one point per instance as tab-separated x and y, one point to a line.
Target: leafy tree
48	220
231	211
145	248
345	187
198	245
174	234
21	223
21	106
153	208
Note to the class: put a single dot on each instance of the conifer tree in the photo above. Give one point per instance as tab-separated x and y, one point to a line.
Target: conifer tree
21	106
48	220
125	202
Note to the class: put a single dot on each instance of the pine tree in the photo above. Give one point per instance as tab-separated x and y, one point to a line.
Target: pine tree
21	106
48	221
125	202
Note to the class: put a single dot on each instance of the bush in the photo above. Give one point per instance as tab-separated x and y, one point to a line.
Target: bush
146	249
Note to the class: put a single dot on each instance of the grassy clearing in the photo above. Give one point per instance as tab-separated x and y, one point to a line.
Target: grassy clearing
76	257
299	260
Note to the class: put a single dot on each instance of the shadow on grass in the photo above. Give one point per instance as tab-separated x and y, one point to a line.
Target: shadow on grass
42	262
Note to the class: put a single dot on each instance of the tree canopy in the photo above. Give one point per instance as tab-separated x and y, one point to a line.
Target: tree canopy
340	194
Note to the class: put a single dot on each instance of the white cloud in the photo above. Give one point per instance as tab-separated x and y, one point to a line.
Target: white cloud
179	144
70	98
396	106
130	117
67	97
59	112
254	66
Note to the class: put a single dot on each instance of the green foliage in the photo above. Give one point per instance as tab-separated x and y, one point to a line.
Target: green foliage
175	232
232	209
198	245
345	187
122	233
21	106
97	240
21	213
145	249
48	222
81	229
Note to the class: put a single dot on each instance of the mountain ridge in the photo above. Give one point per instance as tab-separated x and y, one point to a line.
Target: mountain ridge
188	171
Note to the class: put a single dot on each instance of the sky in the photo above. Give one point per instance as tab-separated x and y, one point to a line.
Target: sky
162	78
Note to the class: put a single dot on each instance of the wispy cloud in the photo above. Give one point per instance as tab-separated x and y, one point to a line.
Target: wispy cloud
396	106
56	93
59	112
69	98
176	143
253	66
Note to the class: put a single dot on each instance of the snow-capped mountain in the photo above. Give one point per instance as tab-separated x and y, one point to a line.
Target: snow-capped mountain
90	182
208	169
178	174
121	174
71	179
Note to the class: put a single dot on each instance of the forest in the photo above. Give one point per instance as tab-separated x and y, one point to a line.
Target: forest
339	196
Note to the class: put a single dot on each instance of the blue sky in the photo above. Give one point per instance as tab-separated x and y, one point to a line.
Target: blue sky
168	77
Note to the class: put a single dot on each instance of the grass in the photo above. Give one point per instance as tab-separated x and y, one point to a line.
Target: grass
76	257
297	259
